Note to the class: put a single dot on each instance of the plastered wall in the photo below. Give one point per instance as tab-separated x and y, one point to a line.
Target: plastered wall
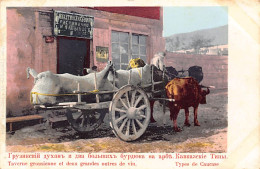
26	46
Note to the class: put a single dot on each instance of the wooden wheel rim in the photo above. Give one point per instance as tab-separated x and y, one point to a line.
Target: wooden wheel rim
84	120
130	113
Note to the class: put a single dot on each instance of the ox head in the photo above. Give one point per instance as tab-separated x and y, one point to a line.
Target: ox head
203	94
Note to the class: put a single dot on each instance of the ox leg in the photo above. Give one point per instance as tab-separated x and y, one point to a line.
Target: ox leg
152	104
187	122
196	122
174	111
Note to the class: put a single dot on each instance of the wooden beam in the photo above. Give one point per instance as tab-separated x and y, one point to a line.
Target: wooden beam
12	120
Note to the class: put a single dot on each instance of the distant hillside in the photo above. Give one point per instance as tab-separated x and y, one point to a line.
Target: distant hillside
206	37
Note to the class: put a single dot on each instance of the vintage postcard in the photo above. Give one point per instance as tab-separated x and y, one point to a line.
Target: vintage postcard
130	85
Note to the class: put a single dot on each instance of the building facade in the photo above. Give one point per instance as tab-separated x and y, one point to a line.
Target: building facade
67	40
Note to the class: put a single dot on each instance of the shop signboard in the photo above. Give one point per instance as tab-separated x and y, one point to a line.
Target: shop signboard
73	25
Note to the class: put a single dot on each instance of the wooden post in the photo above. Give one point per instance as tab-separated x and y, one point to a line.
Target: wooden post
152	79
141	75
129	77
79	95
95	78
163	72
114	78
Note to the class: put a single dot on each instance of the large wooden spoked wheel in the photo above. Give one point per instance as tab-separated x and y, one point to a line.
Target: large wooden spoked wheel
84	121
129	113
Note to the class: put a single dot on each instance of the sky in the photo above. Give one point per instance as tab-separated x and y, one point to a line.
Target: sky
187	19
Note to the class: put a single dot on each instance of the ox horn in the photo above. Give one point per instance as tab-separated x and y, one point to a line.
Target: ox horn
202	86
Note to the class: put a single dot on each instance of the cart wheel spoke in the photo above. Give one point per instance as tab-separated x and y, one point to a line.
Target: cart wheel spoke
120	110
127	99
133	97
127	128
138	100
88	122
123	103
120	118
143	116
134	128
129	122
88	127
139	123
123	125
85	120
141	107
81	113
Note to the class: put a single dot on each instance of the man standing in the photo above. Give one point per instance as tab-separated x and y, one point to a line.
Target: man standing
158	60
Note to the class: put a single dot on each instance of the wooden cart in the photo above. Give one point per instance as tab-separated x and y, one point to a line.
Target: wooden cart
129	110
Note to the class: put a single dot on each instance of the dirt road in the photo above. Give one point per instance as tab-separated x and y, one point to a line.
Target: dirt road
211	136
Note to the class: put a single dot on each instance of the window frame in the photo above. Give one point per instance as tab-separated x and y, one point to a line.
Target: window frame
130	46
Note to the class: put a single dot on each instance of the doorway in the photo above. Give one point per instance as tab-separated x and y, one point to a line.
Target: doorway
73	55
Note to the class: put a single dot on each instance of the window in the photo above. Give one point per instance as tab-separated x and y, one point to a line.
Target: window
126	46
139	46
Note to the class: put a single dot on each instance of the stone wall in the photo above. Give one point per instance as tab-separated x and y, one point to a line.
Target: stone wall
215	68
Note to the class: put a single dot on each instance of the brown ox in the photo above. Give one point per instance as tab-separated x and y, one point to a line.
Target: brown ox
187	93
